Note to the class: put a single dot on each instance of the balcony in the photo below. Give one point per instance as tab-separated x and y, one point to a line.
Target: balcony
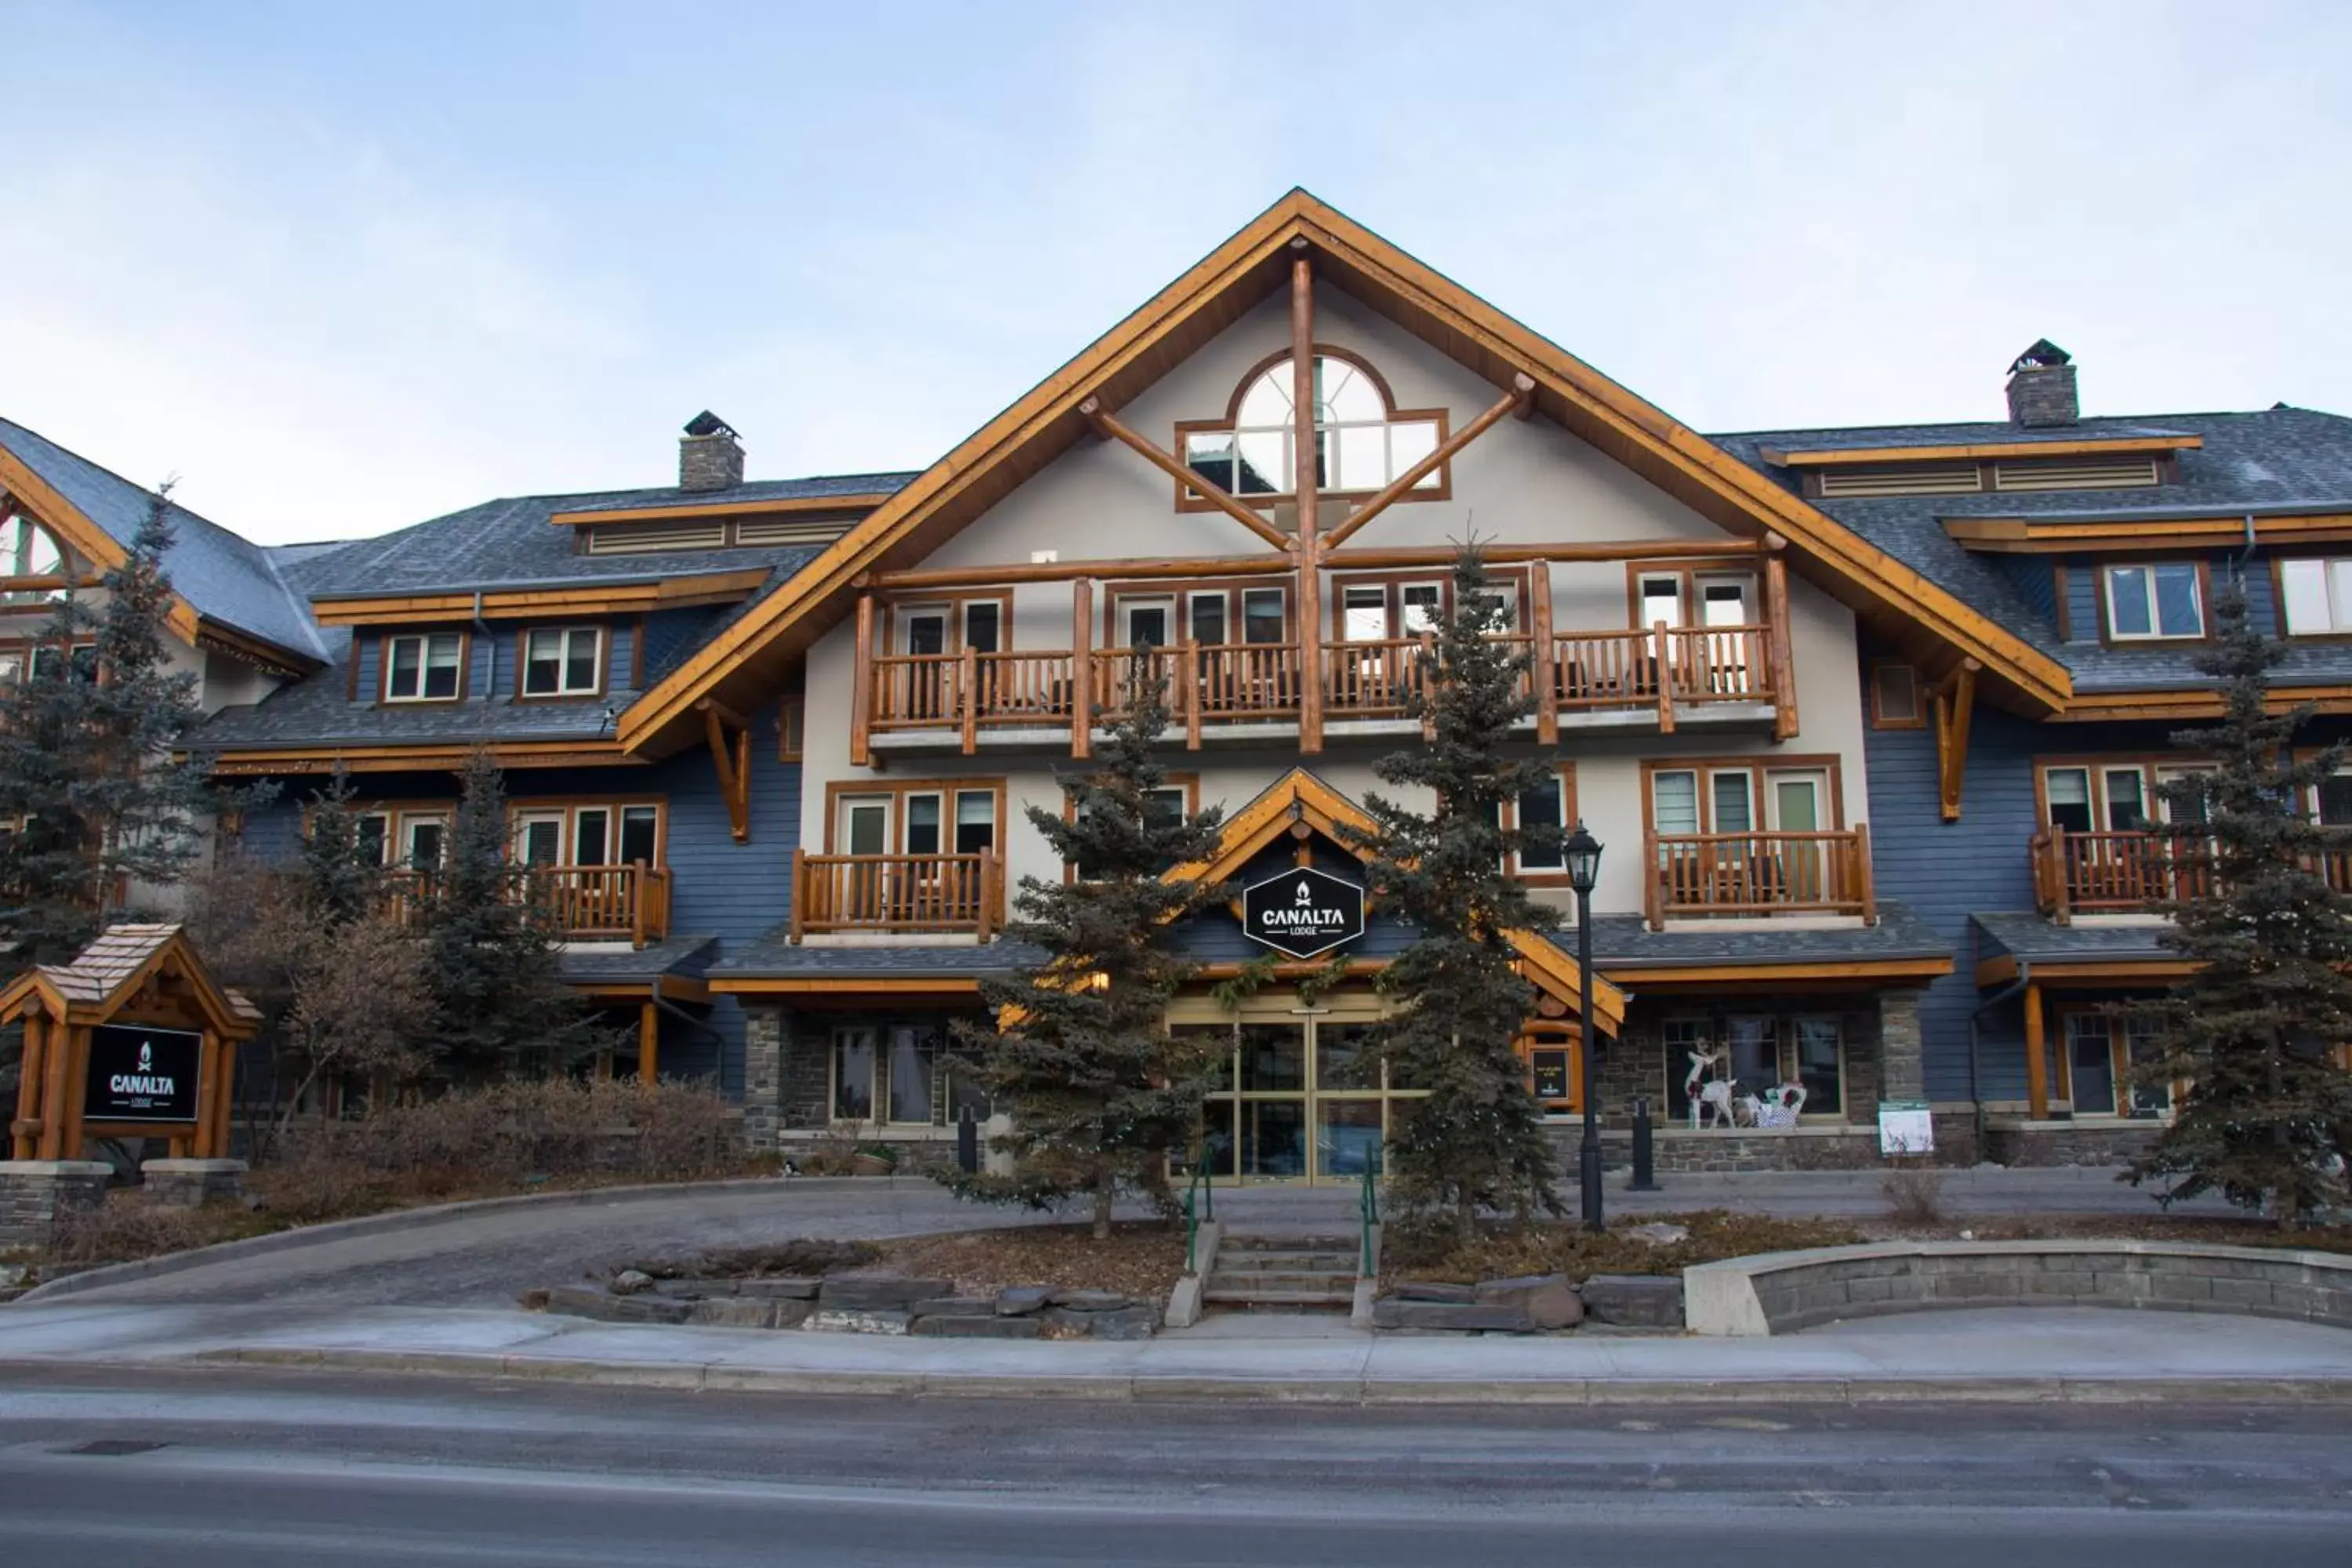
1254	691
896	895
2135	872
1756	875
583	903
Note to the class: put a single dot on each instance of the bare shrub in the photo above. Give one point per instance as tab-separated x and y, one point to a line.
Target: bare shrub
126	1225
1915	1191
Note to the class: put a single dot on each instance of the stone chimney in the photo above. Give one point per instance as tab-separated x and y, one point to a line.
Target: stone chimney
709	456
2042	388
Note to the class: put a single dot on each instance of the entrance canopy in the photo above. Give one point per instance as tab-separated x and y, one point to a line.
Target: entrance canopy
133	1039
1301	806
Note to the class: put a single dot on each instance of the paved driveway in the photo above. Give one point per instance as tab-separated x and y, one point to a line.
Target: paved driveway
484	1259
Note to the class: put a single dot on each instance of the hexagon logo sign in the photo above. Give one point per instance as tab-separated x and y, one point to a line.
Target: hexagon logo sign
1303	912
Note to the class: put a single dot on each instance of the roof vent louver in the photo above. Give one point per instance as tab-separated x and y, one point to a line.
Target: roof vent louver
1902	479
648	538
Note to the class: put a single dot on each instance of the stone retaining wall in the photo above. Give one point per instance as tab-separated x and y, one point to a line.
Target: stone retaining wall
1782	1292
2048	1144
35	1194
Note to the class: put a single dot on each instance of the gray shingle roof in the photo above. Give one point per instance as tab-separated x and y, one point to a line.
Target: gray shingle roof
776	955
511	544
685	957
2276	460
2033	937
225	577
1624	943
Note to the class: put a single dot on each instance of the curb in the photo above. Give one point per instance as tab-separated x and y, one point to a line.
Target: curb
1121	1388
396	1220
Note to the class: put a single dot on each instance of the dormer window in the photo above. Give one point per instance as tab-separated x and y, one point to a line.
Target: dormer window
564	662
1363	440
427	667
2154	601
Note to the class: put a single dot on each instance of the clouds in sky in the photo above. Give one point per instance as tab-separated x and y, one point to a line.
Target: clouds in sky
345	268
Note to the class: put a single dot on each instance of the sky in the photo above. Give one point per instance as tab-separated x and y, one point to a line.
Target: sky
340	267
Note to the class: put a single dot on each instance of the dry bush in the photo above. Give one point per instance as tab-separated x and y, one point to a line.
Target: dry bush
1501	1251
126	1225
501	1138
1915	1191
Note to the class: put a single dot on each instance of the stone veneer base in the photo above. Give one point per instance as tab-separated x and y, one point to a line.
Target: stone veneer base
36	1195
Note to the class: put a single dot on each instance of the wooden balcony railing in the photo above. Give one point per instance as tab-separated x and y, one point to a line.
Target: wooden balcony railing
1758	874
584	903
897	894
2133	872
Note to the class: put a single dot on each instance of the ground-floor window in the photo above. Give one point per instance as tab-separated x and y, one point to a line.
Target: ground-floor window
2103	1056
903	1073
1763	1055
1300	1097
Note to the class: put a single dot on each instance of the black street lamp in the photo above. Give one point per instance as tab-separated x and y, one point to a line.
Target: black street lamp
1583	853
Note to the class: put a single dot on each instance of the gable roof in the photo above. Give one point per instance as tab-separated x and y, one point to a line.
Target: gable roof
216	574
1247	268
102	976
1300	796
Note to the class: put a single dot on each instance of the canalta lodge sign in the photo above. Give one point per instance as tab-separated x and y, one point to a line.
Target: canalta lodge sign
142	1075
1303	912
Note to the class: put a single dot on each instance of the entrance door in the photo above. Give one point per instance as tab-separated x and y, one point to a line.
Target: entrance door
1297	1098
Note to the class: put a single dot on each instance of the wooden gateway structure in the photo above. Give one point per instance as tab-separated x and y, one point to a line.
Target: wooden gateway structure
133	1039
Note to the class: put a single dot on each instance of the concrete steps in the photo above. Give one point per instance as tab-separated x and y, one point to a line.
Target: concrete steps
1284	1273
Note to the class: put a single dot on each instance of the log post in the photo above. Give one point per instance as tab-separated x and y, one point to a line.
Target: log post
2060	883
640	889
987	894
1869	885
968	701
53	1097
1188	677
861	695
26	1128
1082	669
649	1042
800	893
1783	665
1546	683
1302	486
1661	649
1652	895
2037	1065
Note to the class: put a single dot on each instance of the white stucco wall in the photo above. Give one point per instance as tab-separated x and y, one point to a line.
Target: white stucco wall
1523	482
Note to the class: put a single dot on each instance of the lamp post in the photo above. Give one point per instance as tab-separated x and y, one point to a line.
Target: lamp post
1584	852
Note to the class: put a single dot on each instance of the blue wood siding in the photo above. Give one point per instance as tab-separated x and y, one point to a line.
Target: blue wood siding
2035	577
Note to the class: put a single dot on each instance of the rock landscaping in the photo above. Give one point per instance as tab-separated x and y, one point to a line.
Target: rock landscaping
1531	1304
834	1289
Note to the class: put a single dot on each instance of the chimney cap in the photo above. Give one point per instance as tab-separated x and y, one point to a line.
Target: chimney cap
709	424
2044	355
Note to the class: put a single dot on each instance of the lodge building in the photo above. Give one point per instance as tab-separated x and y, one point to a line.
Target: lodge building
1871	720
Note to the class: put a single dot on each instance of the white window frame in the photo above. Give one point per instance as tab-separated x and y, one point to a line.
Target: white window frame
565	638
2147	571
2335	585
427	644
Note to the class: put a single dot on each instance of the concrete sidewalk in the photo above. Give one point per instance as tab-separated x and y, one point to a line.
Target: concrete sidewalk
1995	1354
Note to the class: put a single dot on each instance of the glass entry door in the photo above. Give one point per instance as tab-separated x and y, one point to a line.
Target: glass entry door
1297	1098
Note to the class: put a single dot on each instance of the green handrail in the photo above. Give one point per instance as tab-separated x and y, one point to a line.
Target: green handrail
1200	1204
1368	1209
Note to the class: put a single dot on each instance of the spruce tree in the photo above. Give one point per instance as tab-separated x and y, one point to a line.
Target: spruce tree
1099	1092
503	1008
341	875
1478	1141
2257	1031
98	809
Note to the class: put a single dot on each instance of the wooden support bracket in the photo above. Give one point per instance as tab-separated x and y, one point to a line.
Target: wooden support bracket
1955	704
733	761
1167	462
1520	398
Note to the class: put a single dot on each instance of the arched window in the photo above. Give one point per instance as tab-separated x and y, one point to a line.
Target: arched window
1363	440
27	549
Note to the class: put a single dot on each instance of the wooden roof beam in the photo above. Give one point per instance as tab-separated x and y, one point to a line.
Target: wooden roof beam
1105	423
1955	700
733	761
1520	400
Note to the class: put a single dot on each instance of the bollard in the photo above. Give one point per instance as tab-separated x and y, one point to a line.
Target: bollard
1645	1152
967	1143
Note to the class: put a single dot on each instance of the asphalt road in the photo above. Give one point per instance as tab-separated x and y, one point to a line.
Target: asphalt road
484	1259
171	1470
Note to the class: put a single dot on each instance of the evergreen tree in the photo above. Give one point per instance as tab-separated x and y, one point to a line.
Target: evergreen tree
496	969
2257	1030
98	807
1478	1141
341	874
1099	1092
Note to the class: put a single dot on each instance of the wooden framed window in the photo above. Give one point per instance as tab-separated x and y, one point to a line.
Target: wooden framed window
1551	803
1743	794
425	666
951	623
2107	794
400	835
1363	441
1896	700
902	1072
2313	596
2098	1055
2154	601
920	817
1213	614
1691	595
1760	1054
1375	607
589	833
561	661
792	724
1178	796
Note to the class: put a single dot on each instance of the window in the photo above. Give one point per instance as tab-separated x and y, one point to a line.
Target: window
2091	1063
1895	701
1375	609
2152	601
27	549
2316	597
903	1073
1209	614
2124	795
1551	803
926	819
1726	797
791	725
1361	442
594	834
423	839
1757	1054
429	668
566	662
1682	596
